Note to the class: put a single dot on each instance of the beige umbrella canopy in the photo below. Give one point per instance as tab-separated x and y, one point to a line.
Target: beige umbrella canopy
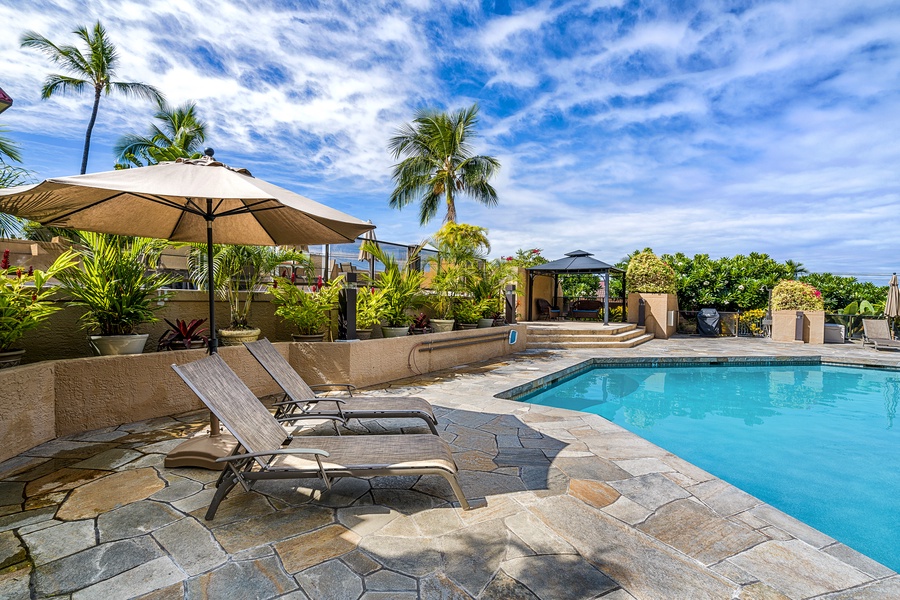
176	200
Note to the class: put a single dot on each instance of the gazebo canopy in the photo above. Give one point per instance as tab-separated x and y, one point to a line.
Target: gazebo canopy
575	262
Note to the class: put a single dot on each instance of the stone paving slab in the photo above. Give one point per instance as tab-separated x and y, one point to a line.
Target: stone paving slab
571	506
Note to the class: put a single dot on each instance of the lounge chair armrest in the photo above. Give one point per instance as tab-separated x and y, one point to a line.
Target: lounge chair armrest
273	453
347	386
301	416
308	400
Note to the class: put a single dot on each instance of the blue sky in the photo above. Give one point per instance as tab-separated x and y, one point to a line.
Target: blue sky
702	127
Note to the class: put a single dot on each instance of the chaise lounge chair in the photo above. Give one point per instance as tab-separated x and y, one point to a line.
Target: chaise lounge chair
876	332
301	402
263	453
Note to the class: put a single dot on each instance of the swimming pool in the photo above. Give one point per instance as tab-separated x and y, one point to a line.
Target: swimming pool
818	442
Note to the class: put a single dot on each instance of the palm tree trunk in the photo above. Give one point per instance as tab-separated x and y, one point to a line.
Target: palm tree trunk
90	128
451	206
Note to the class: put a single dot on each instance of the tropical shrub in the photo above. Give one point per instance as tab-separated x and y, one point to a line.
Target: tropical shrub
580	286
401	287
370	305
648	273
796	295
308	311
25	297
116	282
467	310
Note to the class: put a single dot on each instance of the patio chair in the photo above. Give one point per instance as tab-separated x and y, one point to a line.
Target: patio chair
301	402
263	453
876	332
548	310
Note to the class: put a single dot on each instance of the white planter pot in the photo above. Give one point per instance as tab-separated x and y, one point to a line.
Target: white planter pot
442	325
111	345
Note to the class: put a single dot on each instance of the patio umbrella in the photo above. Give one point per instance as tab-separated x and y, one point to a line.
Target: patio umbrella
892	306
185	201
368	236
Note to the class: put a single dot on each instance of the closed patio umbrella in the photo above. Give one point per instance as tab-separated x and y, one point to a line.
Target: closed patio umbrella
892	306
368	236
186	200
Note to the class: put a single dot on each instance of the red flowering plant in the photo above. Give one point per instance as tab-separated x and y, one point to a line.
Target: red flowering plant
25	297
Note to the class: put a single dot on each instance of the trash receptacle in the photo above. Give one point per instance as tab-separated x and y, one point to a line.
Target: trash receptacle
708	322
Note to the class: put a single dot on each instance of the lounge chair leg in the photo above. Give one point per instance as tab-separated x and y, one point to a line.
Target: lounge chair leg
454	483
431	425
225	485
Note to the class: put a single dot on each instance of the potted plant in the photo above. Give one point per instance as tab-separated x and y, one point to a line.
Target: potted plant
467	312
310	311
652	280
421	324
25	303
183	335
791	297
401	288
117	285
370	305
486	285
238	273
460	246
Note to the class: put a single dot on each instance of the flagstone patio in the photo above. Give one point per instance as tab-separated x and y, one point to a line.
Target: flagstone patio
571	506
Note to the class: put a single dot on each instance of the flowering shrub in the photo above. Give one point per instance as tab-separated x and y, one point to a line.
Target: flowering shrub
752	320
648	273
526	258
796	295
25	297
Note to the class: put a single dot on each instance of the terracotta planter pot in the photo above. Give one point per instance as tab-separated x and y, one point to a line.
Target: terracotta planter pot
236	337
112	345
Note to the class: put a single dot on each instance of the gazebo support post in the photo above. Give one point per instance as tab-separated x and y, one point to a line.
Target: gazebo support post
606	298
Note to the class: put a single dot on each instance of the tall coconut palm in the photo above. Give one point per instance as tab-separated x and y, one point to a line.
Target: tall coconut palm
180	134
439	163
796	269
94	68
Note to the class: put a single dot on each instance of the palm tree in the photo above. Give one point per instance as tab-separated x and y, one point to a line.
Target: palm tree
439	163
11	175
796	269
179	135
96	69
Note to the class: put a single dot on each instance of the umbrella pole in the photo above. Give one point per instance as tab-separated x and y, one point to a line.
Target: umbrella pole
213	340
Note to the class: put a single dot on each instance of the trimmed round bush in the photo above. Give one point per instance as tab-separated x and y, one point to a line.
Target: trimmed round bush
648	273
796	295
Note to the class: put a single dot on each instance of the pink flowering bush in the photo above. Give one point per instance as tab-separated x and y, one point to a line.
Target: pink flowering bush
796	295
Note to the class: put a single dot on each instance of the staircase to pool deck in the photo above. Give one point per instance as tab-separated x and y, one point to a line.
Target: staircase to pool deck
581	334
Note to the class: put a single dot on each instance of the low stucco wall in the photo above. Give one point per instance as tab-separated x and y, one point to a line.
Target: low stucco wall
41	401
656	309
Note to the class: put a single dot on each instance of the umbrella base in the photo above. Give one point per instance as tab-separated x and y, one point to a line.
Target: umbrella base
202	452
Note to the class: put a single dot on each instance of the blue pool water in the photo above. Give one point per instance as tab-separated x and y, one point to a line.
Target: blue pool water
818	442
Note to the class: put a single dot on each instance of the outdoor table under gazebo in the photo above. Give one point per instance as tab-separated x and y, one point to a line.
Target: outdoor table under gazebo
578	262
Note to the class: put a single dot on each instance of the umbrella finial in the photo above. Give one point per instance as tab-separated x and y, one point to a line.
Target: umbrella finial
209	152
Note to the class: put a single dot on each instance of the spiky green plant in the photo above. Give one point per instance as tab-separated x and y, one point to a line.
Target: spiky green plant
116	282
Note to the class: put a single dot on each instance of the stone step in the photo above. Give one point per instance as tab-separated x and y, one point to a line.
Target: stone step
626	343
563	330
587	336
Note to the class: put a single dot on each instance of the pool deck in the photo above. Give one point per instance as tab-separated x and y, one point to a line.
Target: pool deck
570	506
